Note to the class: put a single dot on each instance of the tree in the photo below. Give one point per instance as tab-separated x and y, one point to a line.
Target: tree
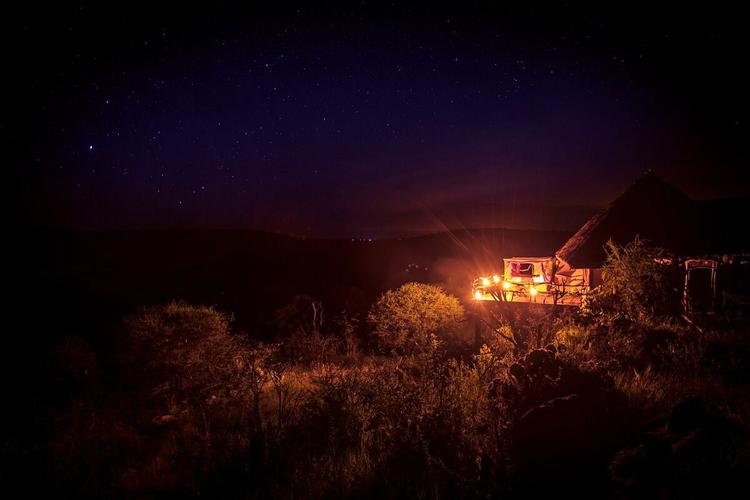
192	369
301	315
638	282
307	336
411	318
184	345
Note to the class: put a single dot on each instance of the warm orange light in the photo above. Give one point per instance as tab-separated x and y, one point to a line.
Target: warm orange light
496	278
478	295
485	282
506	285
532	291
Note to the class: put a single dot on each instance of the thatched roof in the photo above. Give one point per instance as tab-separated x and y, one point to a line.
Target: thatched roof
650	208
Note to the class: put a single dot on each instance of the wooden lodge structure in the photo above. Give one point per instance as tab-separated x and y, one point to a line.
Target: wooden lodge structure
705	236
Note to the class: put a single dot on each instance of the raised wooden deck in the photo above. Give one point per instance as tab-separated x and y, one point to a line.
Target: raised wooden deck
566	299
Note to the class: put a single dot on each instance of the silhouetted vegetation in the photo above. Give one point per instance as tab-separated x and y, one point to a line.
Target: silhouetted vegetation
620	398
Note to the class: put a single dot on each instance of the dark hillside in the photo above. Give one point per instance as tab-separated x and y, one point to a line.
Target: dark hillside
86	278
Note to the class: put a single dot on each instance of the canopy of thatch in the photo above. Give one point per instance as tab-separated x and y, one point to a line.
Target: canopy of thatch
656	211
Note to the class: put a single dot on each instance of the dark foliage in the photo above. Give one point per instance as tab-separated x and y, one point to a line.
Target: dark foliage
566	422
177	400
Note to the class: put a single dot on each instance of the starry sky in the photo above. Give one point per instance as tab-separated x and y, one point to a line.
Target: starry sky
365	119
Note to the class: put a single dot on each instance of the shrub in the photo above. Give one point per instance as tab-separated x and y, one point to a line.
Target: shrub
167	338
639	283
194	380
413	426
413	317
203	412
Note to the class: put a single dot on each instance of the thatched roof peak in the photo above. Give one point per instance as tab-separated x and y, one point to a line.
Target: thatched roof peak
651	208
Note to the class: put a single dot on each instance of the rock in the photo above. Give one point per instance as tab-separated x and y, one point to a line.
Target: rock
541	362
703	457
567	428
693	458
642	471
568	423
687	415
616	402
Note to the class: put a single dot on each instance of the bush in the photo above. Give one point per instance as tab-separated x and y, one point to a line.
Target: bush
194	380
414	426
199	411
167	338
640	283
522	327
413	317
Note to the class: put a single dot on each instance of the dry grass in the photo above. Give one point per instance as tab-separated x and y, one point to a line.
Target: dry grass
214	415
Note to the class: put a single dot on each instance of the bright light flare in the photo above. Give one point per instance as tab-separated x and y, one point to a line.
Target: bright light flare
496	278
533	291
506	285
478	295
485	282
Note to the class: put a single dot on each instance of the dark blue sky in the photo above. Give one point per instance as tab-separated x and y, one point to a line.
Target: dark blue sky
367	121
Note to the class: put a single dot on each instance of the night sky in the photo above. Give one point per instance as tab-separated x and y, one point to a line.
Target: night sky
365	120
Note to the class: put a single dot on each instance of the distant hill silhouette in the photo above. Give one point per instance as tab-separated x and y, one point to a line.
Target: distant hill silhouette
84	279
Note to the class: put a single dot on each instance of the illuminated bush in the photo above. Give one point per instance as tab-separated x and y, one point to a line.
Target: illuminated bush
397	417
413	317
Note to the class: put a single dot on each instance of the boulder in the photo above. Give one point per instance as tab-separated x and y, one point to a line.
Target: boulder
688	415
693	456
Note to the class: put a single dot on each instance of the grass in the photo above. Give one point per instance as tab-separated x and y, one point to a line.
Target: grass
212	414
